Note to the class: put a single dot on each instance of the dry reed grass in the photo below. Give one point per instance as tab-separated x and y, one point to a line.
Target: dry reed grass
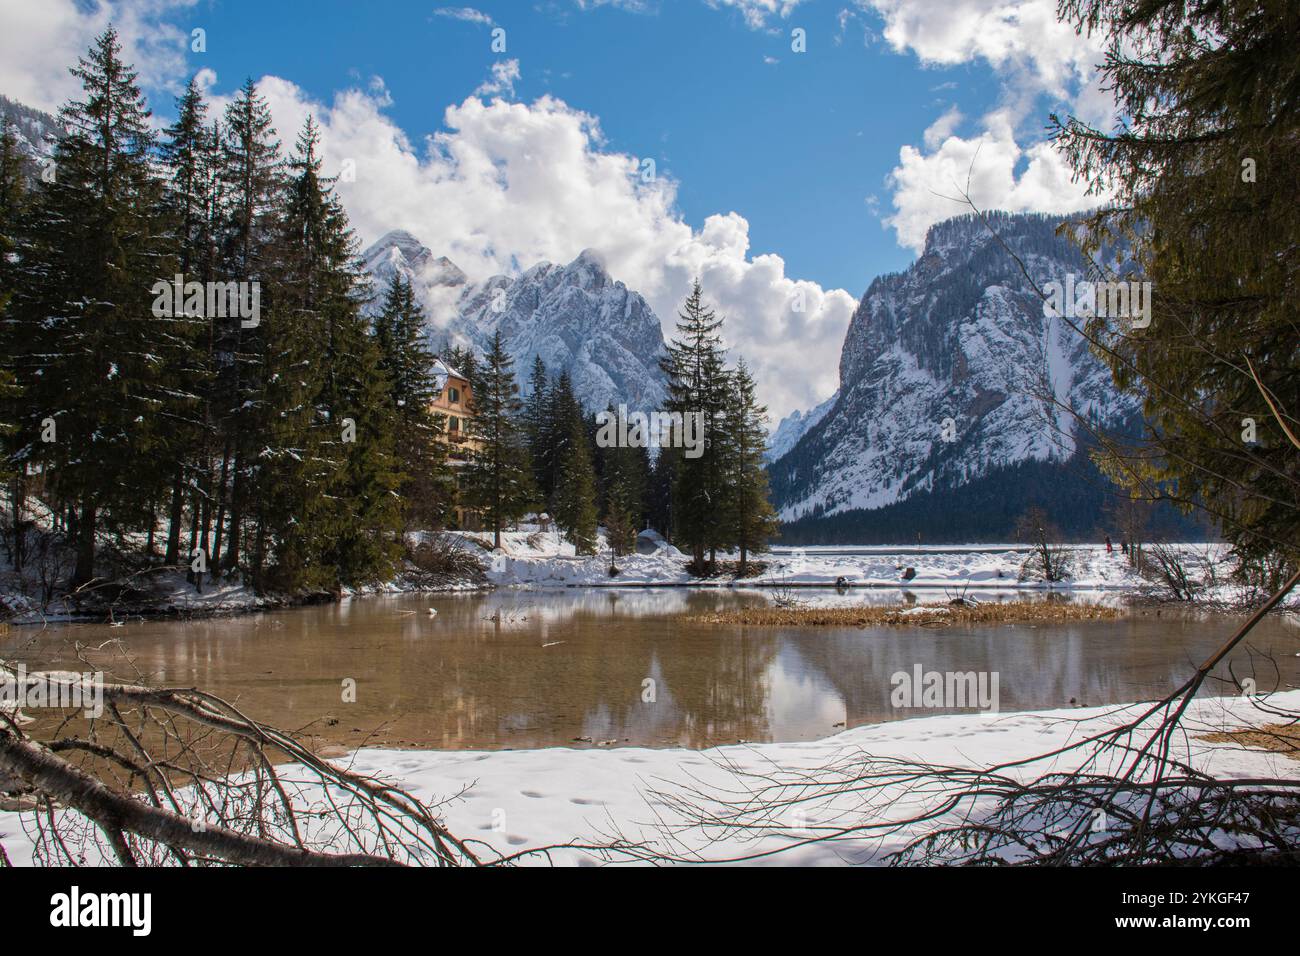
925	615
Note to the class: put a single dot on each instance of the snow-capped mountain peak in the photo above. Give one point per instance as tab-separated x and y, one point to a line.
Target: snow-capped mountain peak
575	317
399	251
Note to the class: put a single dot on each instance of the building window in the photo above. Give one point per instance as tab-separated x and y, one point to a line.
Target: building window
455	423
453	395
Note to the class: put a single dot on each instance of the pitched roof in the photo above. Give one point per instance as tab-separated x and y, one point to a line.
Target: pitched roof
441	370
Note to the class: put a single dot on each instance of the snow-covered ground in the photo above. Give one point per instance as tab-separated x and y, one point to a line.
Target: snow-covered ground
533	558
519	800
544	559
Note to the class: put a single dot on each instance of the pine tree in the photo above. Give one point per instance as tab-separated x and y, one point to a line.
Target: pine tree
697	385
554	436
573	500
14	199
93	371
324	491
190	164
427	489
537	410
625	487
13	206
659	496
1204	176
498	480
465	361
748	508
251	181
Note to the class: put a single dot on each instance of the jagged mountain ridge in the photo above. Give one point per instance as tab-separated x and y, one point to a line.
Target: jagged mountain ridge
575	317
959	339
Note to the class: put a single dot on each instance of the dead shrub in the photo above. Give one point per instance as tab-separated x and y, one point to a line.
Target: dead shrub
443	560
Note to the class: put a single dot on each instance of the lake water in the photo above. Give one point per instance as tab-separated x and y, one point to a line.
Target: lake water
520	669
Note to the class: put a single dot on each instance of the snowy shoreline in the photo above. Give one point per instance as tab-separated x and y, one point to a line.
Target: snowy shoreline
532	559
543	560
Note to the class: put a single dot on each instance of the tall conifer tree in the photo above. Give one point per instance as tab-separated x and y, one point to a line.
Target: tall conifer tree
747	506
537	413
499	480
625	480
1204	175
427	490
190	166
14	198
573	500
251	183
95	375
697	384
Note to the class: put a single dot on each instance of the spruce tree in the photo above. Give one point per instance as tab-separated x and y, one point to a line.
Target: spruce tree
659	496
190	164
191	161
251	181
498	481
94	372
466	362
625	485
9	397
555	435
14	197
427	489
748	508
1204	175
536	419
697	384
13	206
364	536
573	500
326	509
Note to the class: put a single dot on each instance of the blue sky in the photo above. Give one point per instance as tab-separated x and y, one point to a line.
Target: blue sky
786	180
797	146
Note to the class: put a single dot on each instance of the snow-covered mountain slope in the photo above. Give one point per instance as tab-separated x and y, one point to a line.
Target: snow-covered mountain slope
400	252
34	131
575	317
794	426
951	370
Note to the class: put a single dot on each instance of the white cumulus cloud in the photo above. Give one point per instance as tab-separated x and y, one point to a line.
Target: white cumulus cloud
511	184
1008	164
1019	35
42	38
928	186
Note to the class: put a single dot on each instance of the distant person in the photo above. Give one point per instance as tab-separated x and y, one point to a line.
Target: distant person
1110	548
1123	543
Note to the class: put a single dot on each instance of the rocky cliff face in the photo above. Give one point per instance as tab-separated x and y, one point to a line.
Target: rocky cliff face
950	370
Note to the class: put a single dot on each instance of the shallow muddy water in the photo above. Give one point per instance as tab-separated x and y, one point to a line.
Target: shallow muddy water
518	669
